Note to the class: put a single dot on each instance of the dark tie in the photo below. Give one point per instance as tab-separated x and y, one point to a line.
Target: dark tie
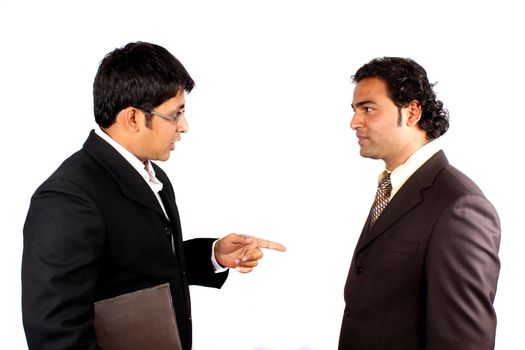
382	196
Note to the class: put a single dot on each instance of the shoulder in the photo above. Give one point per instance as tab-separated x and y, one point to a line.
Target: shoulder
453	180
463	201
449	194
80	175
68	182
438	174
75	169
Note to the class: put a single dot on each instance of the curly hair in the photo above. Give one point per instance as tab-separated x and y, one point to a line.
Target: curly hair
407	81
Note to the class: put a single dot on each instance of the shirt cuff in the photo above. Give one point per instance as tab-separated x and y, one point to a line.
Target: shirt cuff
216	266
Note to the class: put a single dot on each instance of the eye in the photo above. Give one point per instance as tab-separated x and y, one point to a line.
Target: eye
178	115
368	109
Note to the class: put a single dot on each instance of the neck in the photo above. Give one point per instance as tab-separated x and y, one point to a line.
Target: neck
401	157
122	139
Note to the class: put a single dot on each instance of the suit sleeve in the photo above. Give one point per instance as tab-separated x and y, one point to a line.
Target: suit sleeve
198	261
63	237
462	269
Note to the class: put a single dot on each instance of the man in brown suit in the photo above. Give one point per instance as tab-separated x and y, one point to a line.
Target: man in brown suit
424	272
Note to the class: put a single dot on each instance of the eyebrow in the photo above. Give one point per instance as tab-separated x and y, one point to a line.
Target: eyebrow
361	103
177	109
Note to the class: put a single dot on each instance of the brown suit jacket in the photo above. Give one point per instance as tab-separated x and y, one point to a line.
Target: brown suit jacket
424	276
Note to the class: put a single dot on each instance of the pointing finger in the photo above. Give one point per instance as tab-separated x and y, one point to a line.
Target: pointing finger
263	243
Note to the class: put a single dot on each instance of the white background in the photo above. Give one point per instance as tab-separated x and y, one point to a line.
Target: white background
269	151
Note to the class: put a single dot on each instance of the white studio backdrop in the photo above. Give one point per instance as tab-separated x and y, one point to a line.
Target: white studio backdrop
269	151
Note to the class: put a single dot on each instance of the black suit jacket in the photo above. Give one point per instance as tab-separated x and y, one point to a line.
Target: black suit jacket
96	230
424	276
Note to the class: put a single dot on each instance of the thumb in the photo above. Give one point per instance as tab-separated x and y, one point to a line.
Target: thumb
242	239
234	239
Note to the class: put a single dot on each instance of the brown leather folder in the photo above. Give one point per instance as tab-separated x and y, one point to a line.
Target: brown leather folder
143	320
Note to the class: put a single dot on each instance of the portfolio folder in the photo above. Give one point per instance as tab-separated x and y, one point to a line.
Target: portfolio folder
143	320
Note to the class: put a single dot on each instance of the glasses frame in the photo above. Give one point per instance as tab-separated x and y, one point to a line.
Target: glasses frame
175	119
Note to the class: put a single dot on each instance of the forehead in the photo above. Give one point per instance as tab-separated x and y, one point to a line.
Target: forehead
370	89
174	103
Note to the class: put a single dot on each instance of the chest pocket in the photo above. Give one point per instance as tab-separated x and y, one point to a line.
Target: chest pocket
399	246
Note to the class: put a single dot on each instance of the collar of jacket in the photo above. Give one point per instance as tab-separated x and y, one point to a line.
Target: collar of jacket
405	199
126	177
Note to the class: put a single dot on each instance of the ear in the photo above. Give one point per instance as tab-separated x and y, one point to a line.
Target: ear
414	112
130	119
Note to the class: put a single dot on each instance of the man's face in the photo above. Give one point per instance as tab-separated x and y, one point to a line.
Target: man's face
380	131
157	141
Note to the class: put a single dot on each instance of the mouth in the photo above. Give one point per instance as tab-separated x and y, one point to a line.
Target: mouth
361	138
172	145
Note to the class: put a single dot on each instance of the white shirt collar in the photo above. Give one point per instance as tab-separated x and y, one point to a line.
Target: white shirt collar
403	172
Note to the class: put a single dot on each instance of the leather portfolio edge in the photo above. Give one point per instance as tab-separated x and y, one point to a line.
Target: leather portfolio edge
143	319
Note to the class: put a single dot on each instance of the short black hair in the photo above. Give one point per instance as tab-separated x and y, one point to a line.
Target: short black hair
140	74
407	81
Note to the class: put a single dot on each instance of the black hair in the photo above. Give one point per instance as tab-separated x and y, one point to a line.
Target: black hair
407	81
140	74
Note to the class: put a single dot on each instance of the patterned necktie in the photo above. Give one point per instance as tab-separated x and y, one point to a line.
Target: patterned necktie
382	196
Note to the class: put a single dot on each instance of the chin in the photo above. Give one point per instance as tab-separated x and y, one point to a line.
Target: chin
363	153
162	157
368	155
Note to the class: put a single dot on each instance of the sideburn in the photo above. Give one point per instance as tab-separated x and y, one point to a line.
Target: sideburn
148	118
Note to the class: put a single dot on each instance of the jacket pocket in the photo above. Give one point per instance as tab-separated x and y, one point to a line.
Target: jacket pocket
399	246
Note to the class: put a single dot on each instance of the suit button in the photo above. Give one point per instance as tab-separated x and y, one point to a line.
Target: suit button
359	269
167	231
347	313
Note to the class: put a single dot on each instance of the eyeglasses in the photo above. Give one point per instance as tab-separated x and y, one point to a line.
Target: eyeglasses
174	118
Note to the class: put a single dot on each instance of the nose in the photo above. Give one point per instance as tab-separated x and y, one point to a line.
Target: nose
356	122
182	125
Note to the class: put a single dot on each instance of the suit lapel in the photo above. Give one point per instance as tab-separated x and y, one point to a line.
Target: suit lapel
408	196
127	178
404	200
168	198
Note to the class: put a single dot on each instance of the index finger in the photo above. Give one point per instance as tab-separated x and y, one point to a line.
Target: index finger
264	243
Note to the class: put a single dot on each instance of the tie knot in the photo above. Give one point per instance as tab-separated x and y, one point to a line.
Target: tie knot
385	183
384	189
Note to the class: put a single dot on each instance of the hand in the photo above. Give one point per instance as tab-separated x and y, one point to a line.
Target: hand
242	252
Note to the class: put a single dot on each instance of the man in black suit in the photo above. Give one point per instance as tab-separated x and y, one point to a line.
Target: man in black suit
425	268
105	222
